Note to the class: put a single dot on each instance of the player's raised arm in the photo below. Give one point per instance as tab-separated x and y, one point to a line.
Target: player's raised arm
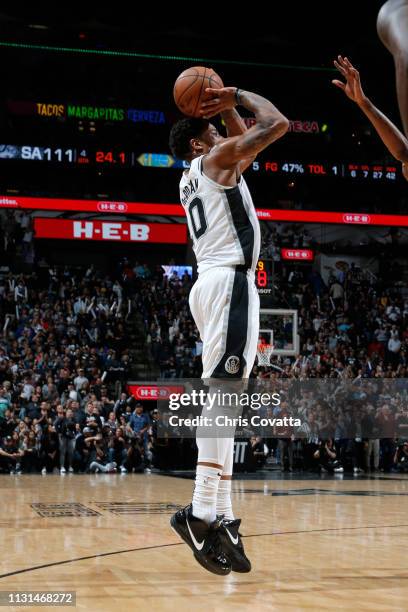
271	124
234	123
391	136
235	126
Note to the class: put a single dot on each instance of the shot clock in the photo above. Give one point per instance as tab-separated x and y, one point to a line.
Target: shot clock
264	281
112	157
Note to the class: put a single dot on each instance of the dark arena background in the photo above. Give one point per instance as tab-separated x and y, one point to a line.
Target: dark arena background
96	267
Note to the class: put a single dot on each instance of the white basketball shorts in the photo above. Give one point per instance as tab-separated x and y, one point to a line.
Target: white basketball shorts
225	305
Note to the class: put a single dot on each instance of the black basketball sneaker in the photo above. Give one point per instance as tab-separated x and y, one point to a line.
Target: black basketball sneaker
203	539
232	545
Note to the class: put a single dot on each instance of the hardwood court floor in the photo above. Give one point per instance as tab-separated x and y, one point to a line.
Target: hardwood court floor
320	544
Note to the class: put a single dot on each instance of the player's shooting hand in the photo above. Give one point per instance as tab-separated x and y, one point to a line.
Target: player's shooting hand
352	87
221	100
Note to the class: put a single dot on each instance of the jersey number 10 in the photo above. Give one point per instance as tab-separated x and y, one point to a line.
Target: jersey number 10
197	217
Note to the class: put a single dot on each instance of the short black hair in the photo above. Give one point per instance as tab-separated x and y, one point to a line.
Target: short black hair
182	132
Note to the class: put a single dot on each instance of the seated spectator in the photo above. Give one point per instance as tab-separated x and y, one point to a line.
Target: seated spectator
10	456
401	458
259	451
325	457
100	458
118	449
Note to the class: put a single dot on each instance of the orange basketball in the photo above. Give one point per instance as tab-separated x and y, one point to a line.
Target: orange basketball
189	88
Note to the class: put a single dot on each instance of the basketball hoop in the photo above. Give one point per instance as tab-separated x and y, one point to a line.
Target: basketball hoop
264	352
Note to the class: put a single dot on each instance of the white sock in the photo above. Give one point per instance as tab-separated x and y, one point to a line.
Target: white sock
224	500
205	493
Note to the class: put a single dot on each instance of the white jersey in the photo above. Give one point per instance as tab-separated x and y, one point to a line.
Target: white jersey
222	220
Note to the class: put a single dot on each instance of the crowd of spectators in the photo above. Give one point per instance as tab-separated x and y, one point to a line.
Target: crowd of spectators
282	235
352	327
65	358
171	332
16	236
364	423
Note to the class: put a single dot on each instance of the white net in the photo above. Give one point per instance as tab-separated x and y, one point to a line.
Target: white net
264	352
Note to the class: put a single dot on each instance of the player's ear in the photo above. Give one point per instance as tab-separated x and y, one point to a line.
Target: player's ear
196	146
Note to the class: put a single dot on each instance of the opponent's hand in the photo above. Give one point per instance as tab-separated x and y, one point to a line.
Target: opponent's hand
352	87
221	100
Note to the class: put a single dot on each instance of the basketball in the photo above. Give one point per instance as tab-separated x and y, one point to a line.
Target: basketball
189	88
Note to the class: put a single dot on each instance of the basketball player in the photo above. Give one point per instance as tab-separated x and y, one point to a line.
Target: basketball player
224	302
392	137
